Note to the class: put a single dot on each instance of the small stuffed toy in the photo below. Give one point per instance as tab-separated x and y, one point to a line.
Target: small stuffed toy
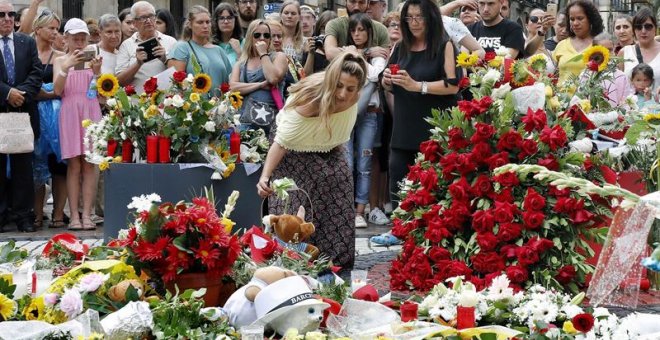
291	232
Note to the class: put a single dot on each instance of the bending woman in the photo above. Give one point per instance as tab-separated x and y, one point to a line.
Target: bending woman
309	135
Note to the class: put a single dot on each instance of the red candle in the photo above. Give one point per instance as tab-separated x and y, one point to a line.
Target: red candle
127	151
464	317
394	68
507	69
408	311
235	145
164	144
152	149
112	147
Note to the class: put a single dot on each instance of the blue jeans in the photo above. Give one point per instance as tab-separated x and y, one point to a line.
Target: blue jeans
362	140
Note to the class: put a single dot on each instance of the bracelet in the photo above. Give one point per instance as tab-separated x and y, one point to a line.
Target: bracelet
263	55
63	74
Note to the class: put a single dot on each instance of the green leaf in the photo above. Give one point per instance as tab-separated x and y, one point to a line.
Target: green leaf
180	243
132	294
488	336
195	64
635	130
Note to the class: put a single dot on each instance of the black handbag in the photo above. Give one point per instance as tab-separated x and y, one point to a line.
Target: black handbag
256	112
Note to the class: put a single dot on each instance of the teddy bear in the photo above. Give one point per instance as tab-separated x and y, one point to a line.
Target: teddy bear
291	232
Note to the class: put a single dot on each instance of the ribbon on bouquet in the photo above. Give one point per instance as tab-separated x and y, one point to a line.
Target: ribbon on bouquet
618	273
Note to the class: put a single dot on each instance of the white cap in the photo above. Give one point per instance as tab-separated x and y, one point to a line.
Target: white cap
75	26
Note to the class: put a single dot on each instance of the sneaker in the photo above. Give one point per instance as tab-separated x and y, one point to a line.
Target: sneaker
376	216
360	222
388	208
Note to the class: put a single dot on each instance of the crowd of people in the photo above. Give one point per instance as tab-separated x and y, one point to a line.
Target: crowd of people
366	76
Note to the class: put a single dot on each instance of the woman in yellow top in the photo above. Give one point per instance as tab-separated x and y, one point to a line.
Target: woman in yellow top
584	23
310	133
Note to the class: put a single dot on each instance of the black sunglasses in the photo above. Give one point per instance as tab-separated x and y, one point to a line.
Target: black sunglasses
11	14
534	19
258	35
648	27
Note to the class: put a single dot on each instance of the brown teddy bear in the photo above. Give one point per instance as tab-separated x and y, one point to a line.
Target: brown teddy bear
291	232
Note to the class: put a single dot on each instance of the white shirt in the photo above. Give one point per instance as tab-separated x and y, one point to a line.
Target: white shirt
11	46
126	58
455	29
109	61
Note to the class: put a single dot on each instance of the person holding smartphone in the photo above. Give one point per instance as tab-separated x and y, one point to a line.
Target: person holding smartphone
143	55
72	75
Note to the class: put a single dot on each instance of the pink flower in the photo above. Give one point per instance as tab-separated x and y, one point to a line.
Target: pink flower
71	303
50	299
92	282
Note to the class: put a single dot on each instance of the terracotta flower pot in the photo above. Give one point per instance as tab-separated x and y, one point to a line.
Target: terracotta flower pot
217	291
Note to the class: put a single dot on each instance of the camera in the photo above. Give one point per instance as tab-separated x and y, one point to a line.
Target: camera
318	41
89	53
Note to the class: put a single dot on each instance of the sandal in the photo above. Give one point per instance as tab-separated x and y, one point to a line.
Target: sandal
385	239
88	224
57	224
75	225
38	223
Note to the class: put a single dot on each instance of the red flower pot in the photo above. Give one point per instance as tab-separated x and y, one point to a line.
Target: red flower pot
217	292
127	151
112	147
164	145
152	149
465	317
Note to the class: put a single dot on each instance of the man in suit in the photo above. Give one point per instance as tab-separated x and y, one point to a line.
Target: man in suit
20	81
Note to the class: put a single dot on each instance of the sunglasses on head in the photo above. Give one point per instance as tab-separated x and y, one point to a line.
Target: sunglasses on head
11	14
648	27
258	35
45	12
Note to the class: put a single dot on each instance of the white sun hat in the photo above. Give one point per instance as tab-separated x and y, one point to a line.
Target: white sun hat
283	296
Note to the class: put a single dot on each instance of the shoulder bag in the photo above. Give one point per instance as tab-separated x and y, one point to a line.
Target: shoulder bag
254	111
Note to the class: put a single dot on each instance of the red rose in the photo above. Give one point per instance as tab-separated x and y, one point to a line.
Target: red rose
533	220
566	274
497	160
505	195
468	108
510	251
448	164
423	197
482	187
559	193
535	120
490	55
453	269
550	162
507	179
555	138
457	215
487	262
528	148
509	141
429	179
487	241
517	274
504	212
414	172
464	83
539	244
464	164
129	89
460	190
533	200
151	85
483	221
480	153
588	164
436	232
431	150
438	254
608	175
483	132
565	205
509	231
224	87
583	322
581	216
593	66
526	256
179	76
485	103
457	140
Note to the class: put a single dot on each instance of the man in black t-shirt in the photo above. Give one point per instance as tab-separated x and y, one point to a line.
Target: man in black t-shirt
494	31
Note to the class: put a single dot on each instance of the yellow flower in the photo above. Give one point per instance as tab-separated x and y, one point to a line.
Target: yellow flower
585	104
652	118
236	100
117	159
225	155
496	62
568	327
186	106
554	103
152	111
548	91
229	224
467	60
519	73
229	170
86	123
104	165
143	98
7	307
154	97
537	62
201	83
112	113
35	310
107	85
598	54
194	97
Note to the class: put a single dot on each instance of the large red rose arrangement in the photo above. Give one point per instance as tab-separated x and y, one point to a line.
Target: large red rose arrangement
458	219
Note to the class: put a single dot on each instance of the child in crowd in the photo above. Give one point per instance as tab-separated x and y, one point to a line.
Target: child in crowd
641	79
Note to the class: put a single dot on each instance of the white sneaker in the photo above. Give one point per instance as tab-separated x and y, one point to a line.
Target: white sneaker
376	216
360	222
388	208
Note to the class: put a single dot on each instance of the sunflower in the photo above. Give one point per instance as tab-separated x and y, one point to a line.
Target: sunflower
519	73
652	118
537	63
467	60
7	307
236	100
107	85
35	310
496	62
598	54
201	83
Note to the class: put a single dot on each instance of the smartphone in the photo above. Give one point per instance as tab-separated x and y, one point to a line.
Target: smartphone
148	46
341	12
551	9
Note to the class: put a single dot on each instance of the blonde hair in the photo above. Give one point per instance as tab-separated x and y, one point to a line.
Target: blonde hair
192	12
319	88
249	51
298	39
44	19
275	24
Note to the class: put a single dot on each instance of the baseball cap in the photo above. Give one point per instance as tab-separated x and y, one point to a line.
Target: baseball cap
75	26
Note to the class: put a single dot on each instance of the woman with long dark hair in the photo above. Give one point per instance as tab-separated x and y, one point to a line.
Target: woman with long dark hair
647	49
227	32
127	23
166	24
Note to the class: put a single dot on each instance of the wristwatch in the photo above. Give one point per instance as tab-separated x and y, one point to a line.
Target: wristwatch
425	87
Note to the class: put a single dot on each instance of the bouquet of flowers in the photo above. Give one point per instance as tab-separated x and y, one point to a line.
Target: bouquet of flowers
170	239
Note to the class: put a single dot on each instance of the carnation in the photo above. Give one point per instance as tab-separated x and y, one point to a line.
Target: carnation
144	202
91	282
71	303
